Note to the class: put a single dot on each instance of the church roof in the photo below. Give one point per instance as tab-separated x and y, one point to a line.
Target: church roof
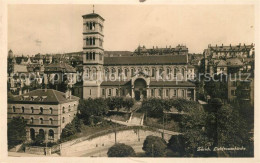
171	83
146	60
43	96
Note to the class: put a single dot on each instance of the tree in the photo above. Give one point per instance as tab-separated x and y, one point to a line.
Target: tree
191	125
154	146
115	102
121	150
216	87
128	103
177	144
90	108
39	140
68	131
16	131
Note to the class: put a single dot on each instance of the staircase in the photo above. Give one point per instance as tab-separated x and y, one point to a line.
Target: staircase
136	119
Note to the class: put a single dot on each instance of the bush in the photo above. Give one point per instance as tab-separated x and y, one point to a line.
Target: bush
154	146
177	145
16	130
121	150
68	132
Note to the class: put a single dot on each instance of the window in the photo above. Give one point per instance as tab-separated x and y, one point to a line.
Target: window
118	72
90	56
69	108
23	118
51	134
183	72
117	92
87	56
41	121
14	109
94	39
153	72
160	92
32	109
94	56
125	72
132	72
167	92
183	93
175	72
51	121
31	120
175	92
22	109
109	92
103	92
63	119
152	92
63	110
51	111
90	92
41	110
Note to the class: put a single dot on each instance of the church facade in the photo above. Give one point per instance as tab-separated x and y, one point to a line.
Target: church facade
137	76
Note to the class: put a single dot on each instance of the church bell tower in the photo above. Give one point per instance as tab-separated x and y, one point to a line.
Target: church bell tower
93	54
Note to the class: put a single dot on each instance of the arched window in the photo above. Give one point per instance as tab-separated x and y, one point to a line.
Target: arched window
22	109
94	40
106	73
32	120
32	134
63	109
41	121
125	72
132	72
63	119
94	73
183	72
41	110
94	56
168	72
51	111
56	77
69	108
32	109
153	72
51	121
23	118
14	109
90	41
175	72
51	134
90	26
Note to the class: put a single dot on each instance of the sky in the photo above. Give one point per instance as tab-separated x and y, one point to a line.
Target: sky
44	29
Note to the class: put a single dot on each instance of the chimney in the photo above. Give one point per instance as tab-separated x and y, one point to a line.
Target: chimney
170	46
230	45
153	47
216	45
209	45
222	45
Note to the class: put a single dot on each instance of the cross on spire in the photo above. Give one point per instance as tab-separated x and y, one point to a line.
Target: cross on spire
93	9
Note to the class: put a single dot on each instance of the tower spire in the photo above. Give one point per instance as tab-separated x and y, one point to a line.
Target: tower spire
93	9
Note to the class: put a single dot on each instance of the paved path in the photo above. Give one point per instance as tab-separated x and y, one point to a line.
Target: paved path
19	154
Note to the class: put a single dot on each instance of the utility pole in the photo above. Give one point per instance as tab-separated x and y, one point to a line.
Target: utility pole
152	151
115	133
163	127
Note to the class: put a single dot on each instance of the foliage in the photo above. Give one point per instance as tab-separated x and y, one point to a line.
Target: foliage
216	86
177	144
155	107
154	146
39	140
68	131
192	128
16	130
115	102
91	108
128	103
77	123
121	150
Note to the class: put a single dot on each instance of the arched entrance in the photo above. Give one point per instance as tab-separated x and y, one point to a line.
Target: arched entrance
32	134
140	89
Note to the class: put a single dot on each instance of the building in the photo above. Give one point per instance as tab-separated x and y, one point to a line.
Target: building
46	111
139	76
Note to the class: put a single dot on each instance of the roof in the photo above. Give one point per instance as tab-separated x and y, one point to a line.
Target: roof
222	63
92	15
59	67
146	60
172	83
234	62
42	96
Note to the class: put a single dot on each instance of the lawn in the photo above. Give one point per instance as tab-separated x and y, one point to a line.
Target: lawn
158	123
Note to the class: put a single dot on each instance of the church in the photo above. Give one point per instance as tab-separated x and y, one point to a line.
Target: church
161	75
